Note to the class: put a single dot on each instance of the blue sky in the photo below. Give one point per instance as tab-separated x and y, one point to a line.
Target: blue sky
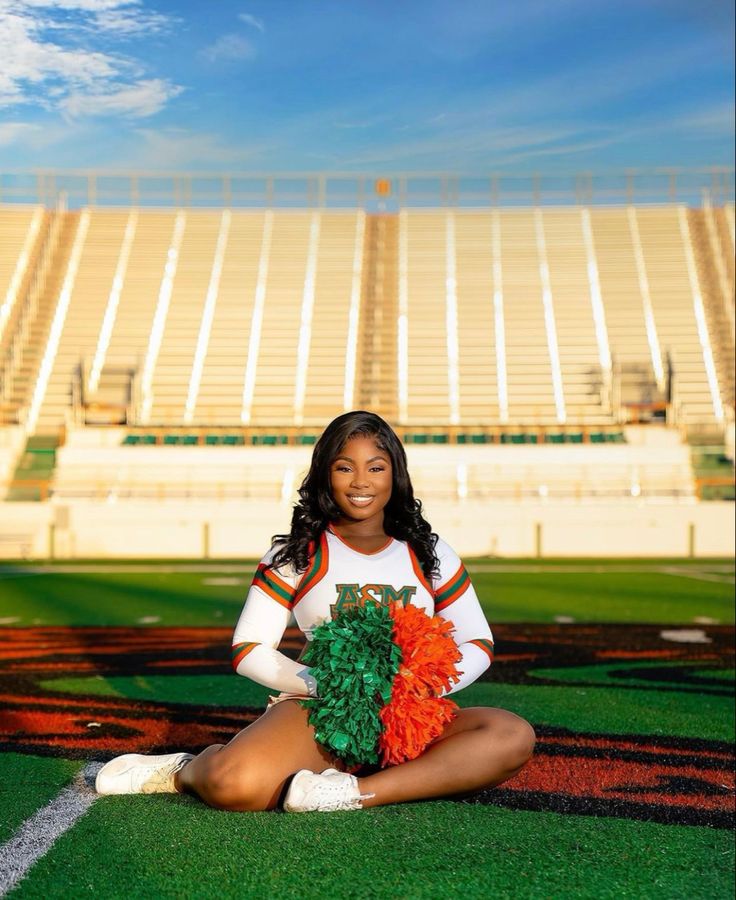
366	86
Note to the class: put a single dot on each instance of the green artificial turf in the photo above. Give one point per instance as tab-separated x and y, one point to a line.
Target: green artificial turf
28	783
609	596
121	599
159	847
162	846
177	598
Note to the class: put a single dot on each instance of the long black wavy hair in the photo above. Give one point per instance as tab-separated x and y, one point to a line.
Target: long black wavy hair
316	508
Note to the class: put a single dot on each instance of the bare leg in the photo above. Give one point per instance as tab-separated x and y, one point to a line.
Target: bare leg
479	749
249	773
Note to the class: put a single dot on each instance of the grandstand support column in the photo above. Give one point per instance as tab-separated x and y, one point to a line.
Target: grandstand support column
596	298
256	325
549	319
208	313
453	350
108	322
305	327
499	320
57	323
700	316
402	336
159	319
646	299
351	347
376	364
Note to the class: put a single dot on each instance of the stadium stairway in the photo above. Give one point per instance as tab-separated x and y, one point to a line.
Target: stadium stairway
23	377
35	471
718	294
377	339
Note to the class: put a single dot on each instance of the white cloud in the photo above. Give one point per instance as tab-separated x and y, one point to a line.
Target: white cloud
228	48
145	98
178	148
40	68
252	21
15	132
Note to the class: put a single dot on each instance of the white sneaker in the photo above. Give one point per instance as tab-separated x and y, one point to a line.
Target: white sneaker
329	791
134	773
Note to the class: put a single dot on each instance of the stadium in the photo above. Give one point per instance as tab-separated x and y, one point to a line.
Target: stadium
556	353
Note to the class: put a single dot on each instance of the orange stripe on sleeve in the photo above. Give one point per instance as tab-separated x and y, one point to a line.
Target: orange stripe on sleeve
485	645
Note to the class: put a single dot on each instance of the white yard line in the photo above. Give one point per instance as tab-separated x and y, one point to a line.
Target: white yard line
37	835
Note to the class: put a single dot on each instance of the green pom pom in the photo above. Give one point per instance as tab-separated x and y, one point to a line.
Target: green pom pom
354	661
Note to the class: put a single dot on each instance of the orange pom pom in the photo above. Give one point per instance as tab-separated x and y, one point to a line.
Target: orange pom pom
416	715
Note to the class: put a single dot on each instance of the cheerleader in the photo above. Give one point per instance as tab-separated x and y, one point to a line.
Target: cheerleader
357	537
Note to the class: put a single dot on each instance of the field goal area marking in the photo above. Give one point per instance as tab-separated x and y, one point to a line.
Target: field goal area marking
38	834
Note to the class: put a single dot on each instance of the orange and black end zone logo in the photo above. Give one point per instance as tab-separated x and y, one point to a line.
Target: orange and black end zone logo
655	777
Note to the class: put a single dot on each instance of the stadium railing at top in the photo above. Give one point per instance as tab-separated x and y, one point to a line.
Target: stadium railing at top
374	192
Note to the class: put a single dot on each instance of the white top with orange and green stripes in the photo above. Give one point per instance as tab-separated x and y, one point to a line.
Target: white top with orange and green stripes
338	575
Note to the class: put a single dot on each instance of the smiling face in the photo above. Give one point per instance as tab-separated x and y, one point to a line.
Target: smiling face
361	479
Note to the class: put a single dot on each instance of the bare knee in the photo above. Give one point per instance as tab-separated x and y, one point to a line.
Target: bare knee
232	787
519	740
511	738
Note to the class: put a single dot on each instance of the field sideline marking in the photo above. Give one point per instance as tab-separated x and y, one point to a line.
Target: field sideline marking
38	834
698	575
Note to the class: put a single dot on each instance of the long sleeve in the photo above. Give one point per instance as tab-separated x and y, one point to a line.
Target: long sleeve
259	630
457	602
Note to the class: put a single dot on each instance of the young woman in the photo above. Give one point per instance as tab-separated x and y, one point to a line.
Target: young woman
357	535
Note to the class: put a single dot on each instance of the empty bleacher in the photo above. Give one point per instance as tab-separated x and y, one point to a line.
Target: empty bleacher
263	318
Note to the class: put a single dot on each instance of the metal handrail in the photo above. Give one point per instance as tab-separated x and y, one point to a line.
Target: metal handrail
373	191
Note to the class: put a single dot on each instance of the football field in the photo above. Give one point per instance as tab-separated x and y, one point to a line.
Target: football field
625	668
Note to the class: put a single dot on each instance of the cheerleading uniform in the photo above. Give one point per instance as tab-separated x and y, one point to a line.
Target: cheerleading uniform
340	575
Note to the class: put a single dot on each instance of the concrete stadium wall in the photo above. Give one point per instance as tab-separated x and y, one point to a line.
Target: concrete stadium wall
242	530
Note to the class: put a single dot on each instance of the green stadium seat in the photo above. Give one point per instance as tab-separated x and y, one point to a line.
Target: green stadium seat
131	440
575	437
172	439
190	440
211	440
440	438
597	437
148	439
554	439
